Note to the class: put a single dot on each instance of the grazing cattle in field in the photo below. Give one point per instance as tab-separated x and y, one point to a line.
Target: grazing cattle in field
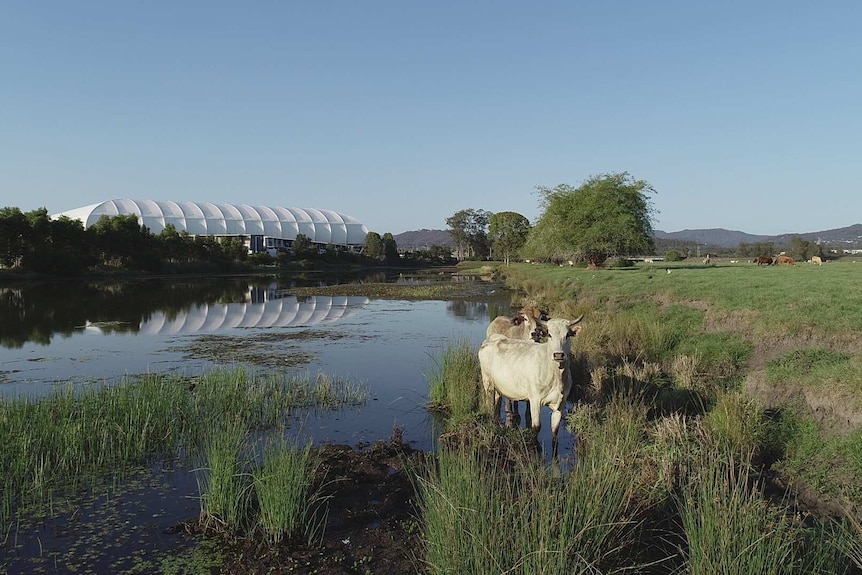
706	260
764	261
518	370
785	261
817	260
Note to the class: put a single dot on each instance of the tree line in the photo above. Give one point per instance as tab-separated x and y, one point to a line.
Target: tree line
32	242
608	216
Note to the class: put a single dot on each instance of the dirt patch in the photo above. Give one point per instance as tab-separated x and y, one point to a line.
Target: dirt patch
739	321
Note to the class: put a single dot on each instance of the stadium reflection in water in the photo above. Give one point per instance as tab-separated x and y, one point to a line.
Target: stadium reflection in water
283	312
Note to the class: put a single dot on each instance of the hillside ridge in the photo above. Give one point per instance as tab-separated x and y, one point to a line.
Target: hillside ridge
721	237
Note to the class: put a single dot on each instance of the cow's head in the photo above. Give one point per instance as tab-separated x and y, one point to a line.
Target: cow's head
560	332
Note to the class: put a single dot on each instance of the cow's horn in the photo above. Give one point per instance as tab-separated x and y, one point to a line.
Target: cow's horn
577	320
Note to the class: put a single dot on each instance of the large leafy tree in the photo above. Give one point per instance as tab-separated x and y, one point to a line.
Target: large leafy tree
390	248
374	247
508	233
469	230
608	215
302	245
15	232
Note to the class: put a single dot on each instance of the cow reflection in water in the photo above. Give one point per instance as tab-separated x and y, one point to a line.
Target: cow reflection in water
523	370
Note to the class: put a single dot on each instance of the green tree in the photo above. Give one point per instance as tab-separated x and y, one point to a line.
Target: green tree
14	233
508	233
302	245
469	230
390	248
803	250
70	253
608	215
373	246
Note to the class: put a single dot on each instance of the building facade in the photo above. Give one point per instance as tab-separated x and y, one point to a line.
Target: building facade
260	228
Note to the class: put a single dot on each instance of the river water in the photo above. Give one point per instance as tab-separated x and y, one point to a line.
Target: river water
90	332
85	333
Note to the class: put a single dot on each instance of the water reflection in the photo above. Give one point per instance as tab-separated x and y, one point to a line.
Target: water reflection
283	312
38	313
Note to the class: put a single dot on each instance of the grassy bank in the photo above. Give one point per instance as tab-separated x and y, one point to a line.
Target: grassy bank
791	337
724	396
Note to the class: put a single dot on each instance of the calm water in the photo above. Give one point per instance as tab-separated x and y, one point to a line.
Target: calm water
54	334
51	335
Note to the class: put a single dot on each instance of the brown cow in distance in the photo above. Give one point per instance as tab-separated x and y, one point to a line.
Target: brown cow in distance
785	261
765	261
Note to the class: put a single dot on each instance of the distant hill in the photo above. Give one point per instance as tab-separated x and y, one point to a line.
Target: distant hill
712	237
730	238
720	237
423	239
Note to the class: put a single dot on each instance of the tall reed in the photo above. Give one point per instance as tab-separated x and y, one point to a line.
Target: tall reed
730	527
225	483
482	513
454	382
290	503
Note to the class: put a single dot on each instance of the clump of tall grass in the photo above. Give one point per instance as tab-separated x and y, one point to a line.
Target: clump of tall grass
279	499
731	528
848	539
483	514
289	503
264	398
225	484
57	440
735	426
454	382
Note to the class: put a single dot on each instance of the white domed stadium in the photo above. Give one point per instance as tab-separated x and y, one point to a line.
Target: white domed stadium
261	228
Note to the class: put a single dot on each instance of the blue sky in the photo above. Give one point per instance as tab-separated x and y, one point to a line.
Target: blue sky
742	115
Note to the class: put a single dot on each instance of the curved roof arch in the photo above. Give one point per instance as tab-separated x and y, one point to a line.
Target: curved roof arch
204	218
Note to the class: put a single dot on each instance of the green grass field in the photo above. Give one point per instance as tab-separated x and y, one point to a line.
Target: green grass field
710	396
789	337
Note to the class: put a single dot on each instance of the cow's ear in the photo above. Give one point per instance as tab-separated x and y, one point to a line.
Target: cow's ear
574	329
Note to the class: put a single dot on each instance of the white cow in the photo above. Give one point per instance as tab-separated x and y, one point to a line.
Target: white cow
529	324
518	370
817	260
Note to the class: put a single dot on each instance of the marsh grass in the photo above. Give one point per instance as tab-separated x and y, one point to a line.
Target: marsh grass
454	382
706	327
736	425
274	494
385	290
848	539
69	439
225	483
484	513
290	504
732	529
